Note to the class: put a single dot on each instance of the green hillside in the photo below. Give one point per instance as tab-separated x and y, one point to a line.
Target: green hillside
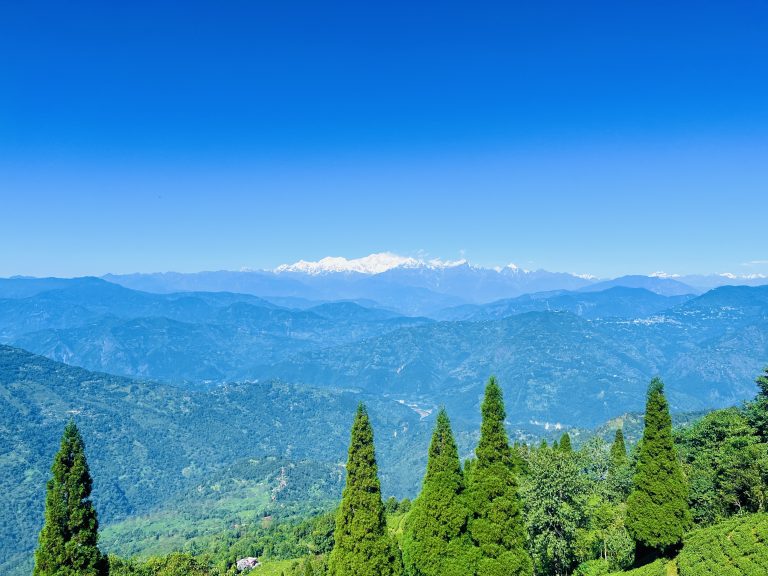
182	460
737	547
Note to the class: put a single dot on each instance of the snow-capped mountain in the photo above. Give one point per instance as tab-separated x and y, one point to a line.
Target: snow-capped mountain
371	264
411	285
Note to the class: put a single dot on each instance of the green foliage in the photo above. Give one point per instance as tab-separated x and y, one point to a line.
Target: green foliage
619	477
592	568
496	525
362	546
657	509
555	493
436	541
604	535
757	410
727	466
660	567
68	544
736	547
565	443
618	450
172	465
172	565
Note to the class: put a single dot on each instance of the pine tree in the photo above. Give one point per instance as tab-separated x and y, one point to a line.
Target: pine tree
496	522
565	443
618	450
68	541
657	508
435	541
362	546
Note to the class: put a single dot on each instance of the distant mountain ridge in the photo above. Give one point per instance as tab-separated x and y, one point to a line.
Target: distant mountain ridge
414	286
563	356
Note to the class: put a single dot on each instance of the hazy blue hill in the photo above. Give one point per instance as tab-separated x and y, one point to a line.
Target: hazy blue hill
727	300
573	366
181	337
238	342
418	290
617	302
24	286
352	311
151	445
247	282
664	286
475	284
414	300
556	366
553	366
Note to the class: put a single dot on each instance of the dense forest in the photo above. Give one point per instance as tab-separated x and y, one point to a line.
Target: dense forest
689	501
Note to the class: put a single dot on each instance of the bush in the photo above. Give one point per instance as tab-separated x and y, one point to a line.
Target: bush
592	568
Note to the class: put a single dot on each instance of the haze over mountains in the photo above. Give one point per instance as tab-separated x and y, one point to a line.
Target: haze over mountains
411	285
217	380
567	348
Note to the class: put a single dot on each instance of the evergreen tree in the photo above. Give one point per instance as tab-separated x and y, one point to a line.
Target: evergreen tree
618	450
496	522
435	541
619	477
362	546
657	508
758	410
565	443
68	540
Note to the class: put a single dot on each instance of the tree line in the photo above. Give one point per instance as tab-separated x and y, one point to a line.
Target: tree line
510	510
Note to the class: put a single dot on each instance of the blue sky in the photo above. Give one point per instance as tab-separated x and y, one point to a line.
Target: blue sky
592	137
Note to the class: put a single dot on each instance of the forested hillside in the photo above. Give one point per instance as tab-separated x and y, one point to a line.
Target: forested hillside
688	502
159	450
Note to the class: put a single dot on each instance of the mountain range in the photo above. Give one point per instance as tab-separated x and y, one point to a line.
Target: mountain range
567	357
411	286
227	393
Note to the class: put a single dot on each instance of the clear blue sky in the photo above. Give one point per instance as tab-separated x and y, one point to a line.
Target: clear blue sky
601	137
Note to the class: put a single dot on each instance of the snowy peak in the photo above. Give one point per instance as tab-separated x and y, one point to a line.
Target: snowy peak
372	264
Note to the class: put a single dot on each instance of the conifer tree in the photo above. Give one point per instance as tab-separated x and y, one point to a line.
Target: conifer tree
496	522
565	443
619	478
362	546
757	411
657	509
618	450
68	541
435	540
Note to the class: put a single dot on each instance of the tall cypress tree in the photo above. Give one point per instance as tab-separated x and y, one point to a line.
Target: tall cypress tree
435	541
657	509
362	546
619	478
618	450
565	443
68	541
496	522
